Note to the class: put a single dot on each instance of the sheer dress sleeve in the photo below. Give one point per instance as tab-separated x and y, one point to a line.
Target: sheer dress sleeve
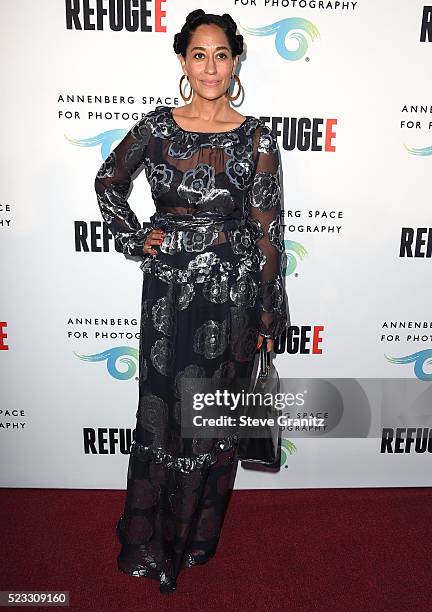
112	183
265	209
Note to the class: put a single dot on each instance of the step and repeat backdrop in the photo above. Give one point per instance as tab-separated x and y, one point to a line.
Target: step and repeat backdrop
346	88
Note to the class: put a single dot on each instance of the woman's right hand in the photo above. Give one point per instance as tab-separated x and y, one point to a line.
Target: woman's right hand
156	236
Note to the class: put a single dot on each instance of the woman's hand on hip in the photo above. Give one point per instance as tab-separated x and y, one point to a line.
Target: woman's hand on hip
156	236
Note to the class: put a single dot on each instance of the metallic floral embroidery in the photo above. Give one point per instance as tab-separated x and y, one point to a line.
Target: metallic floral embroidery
183	145
186	465
144	369
160	123
108	166
276	235
239	172
267	141
191	371
211	338
159	177
265	191
197	184
152	414
161	355
272	295
185	295
244	292
141	131
226	370
242	241
163	316
198	241
216	291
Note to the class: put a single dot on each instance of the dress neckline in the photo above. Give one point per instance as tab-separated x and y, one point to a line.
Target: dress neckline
170	111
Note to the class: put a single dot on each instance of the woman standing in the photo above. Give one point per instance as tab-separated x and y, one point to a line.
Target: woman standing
212	292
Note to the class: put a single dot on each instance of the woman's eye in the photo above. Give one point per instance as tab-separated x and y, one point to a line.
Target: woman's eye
199	55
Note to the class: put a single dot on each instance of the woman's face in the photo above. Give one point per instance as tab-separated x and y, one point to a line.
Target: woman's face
209	63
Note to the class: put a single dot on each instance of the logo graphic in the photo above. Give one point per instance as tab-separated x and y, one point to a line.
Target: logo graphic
111	356
424	152
284	28
287	447
294	250
426	25
105	139
420	359
3	336
416	242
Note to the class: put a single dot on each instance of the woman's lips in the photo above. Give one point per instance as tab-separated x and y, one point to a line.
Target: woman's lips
211	83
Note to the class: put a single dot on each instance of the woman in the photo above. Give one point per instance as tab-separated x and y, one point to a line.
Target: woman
212	292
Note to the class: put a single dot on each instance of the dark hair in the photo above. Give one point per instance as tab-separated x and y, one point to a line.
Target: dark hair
199	17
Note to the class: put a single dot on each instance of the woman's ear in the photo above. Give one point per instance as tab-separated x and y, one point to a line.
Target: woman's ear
181	59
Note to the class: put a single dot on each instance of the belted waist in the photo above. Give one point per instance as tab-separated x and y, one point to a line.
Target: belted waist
198	222
192	235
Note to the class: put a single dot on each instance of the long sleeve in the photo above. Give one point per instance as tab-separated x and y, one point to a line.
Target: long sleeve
265	208
112	184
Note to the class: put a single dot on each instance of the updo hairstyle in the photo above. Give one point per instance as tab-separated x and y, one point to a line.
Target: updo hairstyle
199	17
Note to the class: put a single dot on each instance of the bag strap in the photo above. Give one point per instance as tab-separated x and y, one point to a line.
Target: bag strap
265	360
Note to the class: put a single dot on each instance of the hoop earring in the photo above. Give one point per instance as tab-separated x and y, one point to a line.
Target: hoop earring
239	91
186	99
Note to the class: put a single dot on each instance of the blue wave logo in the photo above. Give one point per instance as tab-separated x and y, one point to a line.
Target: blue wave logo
111	356
287	448
294	251
104	139
420	359
285	28
425	152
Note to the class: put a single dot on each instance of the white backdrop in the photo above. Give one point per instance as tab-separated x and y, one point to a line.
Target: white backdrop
70	305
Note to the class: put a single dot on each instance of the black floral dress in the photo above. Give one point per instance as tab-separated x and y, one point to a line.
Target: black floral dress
214	285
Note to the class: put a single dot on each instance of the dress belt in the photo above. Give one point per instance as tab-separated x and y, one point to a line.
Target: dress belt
196	222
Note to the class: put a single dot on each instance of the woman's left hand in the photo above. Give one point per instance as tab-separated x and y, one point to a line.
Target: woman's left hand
270	342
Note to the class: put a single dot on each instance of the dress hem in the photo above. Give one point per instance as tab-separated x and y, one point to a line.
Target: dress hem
167	583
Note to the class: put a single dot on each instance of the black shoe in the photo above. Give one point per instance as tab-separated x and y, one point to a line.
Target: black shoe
167	585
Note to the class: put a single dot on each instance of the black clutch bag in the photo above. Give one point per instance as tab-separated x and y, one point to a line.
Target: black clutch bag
265	450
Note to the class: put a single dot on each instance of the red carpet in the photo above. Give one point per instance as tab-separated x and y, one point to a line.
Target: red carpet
324	549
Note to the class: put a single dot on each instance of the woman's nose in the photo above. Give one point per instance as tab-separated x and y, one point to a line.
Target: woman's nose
211	66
